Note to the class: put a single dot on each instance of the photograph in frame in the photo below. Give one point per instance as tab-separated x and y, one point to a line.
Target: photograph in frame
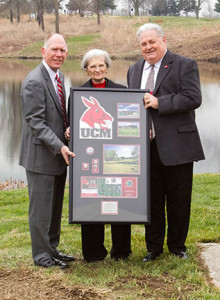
121	159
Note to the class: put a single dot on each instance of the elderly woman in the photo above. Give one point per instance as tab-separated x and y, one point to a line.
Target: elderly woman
96	63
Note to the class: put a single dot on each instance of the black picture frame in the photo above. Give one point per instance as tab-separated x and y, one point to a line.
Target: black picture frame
109	177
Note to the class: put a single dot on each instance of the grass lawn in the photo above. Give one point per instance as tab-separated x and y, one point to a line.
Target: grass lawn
121	167
198	39
75	45
128	132
168	277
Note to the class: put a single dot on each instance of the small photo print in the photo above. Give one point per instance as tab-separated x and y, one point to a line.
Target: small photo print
129	110
131	129
121	159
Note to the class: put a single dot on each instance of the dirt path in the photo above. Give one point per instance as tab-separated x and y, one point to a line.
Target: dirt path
31	285
24	284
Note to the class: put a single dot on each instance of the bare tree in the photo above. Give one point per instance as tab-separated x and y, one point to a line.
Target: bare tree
97	3
136	5
102	5
198	4
79	5
14	7
40	13
11	15
11	10
18	11
57	21
8	5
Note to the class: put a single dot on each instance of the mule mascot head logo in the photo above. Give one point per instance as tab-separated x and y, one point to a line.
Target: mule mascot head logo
95	122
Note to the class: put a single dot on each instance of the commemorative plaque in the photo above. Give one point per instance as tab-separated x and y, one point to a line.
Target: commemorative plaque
109	176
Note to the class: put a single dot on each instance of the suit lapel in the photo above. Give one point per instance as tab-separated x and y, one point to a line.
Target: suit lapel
138	74
51	88
165	67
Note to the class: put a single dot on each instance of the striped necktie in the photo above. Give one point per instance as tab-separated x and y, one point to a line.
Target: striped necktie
62	100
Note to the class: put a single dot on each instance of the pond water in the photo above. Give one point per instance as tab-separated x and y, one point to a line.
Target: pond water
14	71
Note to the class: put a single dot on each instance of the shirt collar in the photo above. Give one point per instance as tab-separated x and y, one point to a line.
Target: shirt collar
156	65
50	71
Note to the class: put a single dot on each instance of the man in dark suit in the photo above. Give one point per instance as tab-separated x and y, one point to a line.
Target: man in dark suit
44	152
172	94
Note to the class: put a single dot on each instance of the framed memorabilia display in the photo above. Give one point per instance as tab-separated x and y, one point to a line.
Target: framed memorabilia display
109	175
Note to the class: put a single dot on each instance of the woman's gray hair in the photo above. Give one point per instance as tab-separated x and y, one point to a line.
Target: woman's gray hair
95	53
149	26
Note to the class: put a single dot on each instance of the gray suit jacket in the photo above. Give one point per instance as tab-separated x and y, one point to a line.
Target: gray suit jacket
178	91
43	127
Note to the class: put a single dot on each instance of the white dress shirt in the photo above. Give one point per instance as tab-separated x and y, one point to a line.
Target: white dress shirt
146	72
52	76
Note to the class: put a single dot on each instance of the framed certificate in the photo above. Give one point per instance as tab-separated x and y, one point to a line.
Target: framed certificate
109	176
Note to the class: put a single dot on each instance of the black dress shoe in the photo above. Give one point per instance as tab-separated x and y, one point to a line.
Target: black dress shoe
181	254
65	257
58	263
51	263
151	256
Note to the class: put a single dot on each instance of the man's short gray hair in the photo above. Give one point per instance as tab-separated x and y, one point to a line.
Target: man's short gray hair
50	36
149	26
95	53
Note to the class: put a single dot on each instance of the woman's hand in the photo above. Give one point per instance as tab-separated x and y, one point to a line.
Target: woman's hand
67	134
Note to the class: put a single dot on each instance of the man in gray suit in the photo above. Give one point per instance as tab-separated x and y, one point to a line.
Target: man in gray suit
172	94
44	152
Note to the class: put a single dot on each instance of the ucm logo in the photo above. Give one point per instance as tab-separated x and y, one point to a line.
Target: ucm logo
95	122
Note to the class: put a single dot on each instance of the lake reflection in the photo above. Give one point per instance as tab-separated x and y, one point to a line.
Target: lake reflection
13	73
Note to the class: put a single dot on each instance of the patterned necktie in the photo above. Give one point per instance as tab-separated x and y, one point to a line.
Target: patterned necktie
62	100
150	87
150	80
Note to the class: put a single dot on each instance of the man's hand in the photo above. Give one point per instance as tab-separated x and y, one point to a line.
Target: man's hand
66	153
150	101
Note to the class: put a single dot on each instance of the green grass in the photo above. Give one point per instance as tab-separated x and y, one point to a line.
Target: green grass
189	22
166	278
171	25
76	45
128	132
121	167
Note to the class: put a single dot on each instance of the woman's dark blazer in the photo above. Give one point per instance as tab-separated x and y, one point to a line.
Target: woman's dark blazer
109	84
